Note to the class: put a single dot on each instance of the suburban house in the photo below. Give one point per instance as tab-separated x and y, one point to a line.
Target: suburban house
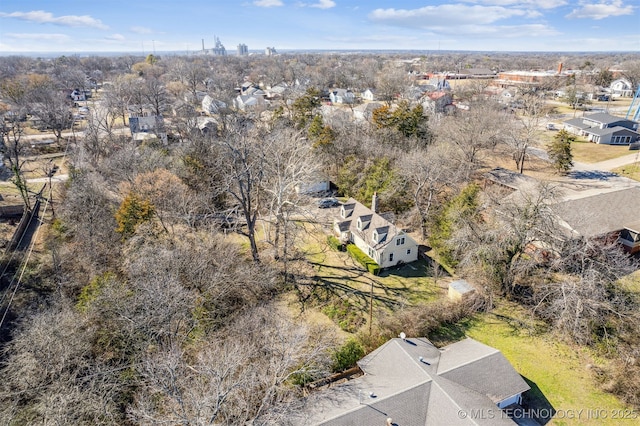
364	112
621	87
629	237
378	238
143	127
212	106
242	102
603	128
342	96
436	102
606	215
600	210
412	382
369	95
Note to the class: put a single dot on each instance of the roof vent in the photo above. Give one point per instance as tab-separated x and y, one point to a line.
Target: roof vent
403	336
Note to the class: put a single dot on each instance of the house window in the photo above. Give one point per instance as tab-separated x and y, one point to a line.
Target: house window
400	241
408	251
375	237
391	257
359	224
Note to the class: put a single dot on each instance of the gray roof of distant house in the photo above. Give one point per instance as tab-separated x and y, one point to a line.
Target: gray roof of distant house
610	130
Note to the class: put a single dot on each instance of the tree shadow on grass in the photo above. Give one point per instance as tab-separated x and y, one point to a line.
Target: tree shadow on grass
449	333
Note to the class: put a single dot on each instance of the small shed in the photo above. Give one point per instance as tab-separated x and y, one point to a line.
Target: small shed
460	290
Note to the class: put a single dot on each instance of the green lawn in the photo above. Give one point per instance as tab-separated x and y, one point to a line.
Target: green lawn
559	374
410	284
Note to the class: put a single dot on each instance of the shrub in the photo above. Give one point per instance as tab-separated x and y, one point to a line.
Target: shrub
347	355
345	315
132	212
360	257
334	243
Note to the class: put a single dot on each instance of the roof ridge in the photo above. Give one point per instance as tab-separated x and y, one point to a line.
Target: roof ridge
495	351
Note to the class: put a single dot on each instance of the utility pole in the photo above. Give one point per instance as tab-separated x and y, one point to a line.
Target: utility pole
371	309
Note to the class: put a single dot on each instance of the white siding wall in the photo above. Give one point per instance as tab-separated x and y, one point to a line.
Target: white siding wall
515	399
399	252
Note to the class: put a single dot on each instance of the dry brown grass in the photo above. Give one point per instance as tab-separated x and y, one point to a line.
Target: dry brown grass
588	152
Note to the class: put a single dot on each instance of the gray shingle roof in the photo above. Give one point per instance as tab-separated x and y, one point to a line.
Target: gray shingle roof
371	221
402	381
600	214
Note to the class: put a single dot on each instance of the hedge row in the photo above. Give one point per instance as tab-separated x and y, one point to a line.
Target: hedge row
334	243
360	257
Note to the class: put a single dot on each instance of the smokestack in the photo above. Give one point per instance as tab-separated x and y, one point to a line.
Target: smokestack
203	44
559	67
374	202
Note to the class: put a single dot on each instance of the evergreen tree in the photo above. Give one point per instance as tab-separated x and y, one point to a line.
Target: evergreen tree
560	151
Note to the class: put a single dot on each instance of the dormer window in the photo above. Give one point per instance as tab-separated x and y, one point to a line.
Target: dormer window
346	210
375	236
363	222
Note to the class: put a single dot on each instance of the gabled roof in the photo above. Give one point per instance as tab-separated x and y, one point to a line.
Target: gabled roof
599	214
371	221
610	130
414	383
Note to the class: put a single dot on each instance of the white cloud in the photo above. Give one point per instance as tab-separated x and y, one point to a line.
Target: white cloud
324	4
601	10
448	14
268	3
538	4
42	17
141	30
39	36
116	37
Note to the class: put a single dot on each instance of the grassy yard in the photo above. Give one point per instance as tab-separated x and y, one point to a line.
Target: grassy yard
631	171
560	375
406	285
587	152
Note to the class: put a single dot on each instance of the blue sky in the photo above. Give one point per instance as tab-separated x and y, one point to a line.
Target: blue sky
139	26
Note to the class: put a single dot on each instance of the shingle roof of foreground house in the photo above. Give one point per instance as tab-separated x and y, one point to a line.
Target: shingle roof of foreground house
412	382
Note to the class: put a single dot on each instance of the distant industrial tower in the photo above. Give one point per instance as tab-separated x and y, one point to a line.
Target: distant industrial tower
270	51
218	49
243	50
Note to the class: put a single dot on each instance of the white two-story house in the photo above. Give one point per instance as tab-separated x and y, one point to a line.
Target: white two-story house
380	239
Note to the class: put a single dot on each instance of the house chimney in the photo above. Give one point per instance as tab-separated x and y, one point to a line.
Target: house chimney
203	45
389	422
559	68
374	202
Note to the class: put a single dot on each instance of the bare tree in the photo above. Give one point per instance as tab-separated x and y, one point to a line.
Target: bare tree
288	165
473	132
524	132
242	164
428	175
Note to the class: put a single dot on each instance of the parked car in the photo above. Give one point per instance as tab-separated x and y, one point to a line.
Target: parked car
551	126
328	202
